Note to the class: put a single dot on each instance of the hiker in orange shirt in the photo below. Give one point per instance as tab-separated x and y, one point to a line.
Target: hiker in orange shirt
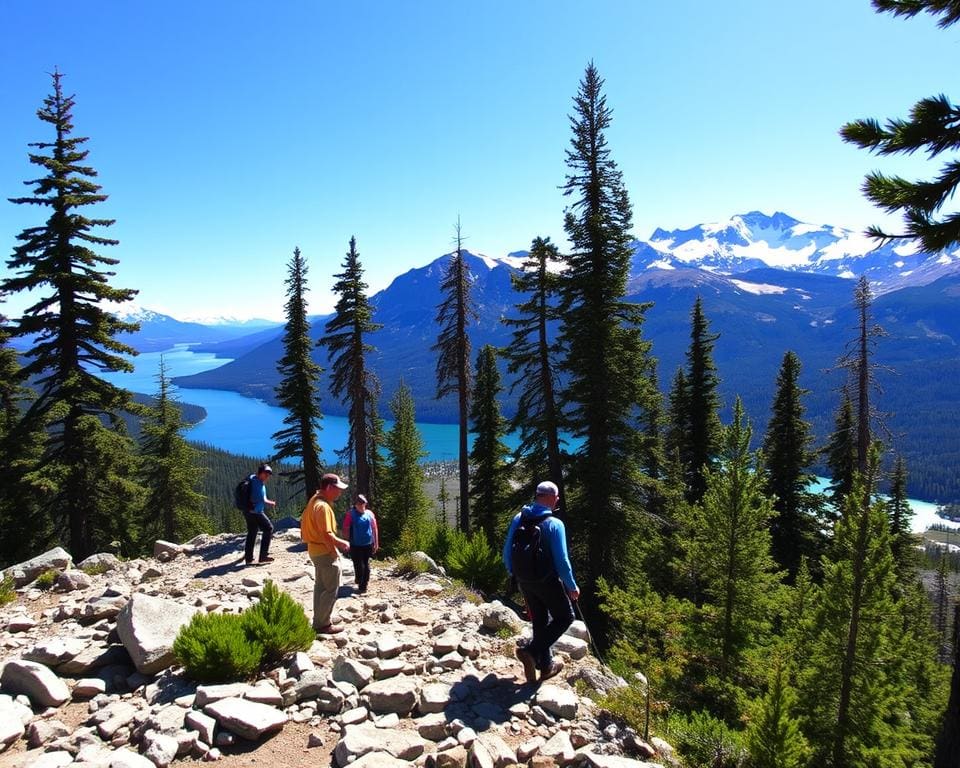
318	528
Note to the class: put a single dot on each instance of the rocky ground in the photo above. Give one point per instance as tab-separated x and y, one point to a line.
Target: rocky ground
422	674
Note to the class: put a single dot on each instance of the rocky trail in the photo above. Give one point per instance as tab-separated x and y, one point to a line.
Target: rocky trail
422	674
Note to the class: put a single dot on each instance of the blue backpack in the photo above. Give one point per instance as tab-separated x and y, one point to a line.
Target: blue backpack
530	554
361	528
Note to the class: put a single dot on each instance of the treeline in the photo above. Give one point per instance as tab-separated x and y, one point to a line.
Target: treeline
773	626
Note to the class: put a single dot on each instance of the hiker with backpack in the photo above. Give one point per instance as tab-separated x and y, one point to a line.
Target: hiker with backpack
360	529
256	516
535	554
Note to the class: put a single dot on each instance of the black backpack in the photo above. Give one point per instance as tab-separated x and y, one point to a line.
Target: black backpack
241	495
530	553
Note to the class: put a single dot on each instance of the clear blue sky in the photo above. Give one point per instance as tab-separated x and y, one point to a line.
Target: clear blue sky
227	132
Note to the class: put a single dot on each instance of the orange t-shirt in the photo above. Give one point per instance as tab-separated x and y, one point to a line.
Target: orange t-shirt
317	521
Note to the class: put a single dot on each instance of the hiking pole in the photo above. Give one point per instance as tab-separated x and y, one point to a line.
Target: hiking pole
593	645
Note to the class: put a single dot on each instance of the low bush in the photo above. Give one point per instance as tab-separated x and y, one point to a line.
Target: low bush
7	592
278	624
47	579
475	562
215	648
702	739
409	566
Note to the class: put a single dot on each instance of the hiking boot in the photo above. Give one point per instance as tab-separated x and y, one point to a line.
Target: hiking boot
266	560
529	664
555	668
330	629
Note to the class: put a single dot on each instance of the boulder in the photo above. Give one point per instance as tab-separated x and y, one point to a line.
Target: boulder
11	728
148	626
23	573
55	651
359	740
247	719
561	702
39	683
102	562
395	694
351	671
70	581
496	616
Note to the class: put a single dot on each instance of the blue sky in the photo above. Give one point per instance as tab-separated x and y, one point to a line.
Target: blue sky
228	132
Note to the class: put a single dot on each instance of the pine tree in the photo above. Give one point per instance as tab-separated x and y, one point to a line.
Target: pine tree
947	754
841	453
23	520
298	391
488	487
727	544
404	504
353	381
607	360
454	315
703	403
848	688
171	472
786	446
74	337
931	128
774	739
942	608
531	359
901	537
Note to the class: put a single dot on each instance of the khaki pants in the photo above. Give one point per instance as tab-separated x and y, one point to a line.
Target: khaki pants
325	587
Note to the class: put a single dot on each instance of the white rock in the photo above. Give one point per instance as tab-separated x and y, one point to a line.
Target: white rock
38	682
246	718
148	626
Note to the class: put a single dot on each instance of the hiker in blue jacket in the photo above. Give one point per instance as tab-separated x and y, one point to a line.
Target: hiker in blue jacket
535	553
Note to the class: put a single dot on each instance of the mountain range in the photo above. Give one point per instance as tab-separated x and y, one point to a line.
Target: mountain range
768	284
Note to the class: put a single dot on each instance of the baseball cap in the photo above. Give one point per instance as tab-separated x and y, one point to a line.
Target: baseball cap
362	498
331	479
546	488
265	468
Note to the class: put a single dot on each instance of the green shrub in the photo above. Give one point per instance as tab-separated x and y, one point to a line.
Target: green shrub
702	739
475	563
628	704
278	624
439	547
215	648
47	579
95	569
408	565
7	592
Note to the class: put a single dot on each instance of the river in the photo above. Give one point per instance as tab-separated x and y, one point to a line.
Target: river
244	425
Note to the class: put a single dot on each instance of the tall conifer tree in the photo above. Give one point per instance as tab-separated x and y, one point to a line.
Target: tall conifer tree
353	381
404	504
454	315
841	453
901	537
786	445
532	359
610	391
298	391
488	486
86	461
171	471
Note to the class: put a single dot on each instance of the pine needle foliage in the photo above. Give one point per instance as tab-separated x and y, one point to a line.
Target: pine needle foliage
215	648
930	128
472	560
353	381
277	624
298	391
773	737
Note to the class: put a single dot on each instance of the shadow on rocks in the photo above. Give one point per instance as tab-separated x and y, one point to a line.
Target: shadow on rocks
485	702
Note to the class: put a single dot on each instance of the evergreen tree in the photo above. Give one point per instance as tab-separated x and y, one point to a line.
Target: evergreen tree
786	445
727	544
947	754
73	338
171	472
942	607
703	403
454	315
26	528
488	487
353	381
841	453
932	128
901	537
849	690
608	362
531	359
404	504
298	391
774	739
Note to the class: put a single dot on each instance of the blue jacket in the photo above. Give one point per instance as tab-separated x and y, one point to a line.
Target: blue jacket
258	494
556	535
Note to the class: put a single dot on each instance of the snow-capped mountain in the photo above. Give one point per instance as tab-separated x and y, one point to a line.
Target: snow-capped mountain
754	240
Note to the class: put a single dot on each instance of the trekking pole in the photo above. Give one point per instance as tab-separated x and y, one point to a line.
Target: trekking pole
593	645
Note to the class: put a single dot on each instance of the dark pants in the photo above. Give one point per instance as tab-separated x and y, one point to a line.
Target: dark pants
551	613
360	555
257	521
